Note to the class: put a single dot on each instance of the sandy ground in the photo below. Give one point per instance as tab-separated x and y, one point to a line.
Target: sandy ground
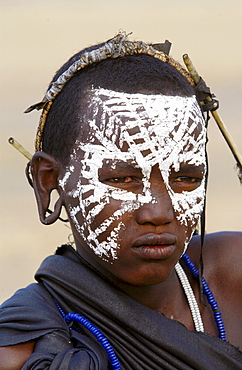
37	36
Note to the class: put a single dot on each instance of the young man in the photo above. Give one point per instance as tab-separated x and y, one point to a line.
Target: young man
122	139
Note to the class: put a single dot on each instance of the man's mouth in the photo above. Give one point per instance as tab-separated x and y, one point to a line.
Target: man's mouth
155	246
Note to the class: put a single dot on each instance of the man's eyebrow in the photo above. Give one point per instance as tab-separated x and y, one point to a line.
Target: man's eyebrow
191	168
119	165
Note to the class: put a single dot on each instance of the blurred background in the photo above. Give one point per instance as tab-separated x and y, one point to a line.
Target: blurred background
38	36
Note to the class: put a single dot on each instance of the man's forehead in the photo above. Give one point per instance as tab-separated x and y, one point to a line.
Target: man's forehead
108	109
142	121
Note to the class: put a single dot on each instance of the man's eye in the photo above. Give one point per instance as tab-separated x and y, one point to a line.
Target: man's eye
187	179
121	180
185	183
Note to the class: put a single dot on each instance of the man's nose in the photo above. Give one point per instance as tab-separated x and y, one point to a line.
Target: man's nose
160	210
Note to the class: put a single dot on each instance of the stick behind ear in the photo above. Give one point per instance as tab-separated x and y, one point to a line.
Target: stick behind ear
45	170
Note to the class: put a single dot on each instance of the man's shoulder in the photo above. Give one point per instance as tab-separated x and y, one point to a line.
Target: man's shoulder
224	244
32	307
33	293
222	254
222	271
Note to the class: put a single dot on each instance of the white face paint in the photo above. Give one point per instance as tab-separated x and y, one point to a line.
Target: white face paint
143	130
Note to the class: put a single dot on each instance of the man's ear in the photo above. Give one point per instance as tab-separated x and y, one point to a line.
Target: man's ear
45	170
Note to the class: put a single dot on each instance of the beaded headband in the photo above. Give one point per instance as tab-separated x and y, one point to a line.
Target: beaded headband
116	47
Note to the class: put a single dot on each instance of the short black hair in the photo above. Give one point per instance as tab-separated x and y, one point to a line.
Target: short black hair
131	74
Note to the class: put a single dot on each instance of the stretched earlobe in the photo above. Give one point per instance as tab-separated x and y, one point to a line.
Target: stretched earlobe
53	215
45	171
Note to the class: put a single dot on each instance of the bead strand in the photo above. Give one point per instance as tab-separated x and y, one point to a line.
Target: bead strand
197	319
95	331
210	297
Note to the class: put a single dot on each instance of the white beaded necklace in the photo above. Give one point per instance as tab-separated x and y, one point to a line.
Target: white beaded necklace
196	315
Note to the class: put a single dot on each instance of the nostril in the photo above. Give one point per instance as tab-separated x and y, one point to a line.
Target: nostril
158	212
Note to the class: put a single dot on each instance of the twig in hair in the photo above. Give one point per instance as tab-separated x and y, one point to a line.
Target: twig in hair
217	118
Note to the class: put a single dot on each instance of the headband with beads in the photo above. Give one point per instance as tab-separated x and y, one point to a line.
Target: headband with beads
116	47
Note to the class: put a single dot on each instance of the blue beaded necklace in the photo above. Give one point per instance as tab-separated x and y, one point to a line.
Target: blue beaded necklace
71	316
104	341
210	297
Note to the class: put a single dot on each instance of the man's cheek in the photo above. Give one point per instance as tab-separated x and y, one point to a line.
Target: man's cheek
188	206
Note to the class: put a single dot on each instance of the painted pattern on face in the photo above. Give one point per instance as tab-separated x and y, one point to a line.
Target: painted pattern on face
144	130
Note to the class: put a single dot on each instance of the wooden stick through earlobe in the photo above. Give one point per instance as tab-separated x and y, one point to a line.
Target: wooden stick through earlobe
20	148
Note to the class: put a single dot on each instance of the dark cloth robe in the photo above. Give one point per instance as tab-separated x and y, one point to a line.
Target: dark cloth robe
142	338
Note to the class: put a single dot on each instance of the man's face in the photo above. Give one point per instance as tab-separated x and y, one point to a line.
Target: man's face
134	187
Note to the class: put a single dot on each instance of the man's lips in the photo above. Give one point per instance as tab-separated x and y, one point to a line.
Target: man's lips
155	246
155	240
